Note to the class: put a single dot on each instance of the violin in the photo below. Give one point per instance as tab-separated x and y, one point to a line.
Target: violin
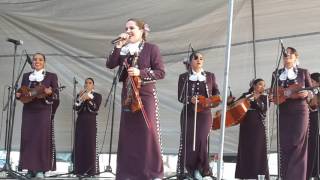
280	94
206	103
133	99
37	92
29	94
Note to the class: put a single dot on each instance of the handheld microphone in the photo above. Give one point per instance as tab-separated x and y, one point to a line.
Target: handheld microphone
115	41
120	38
283	50
16	42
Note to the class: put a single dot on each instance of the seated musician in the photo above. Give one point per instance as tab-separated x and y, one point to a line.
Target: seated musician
252	148
192	85
85	155
37	149
139	151
293	116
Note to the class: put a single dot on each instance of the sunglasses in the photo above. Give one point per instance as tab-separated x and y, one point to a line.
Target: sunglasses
197	57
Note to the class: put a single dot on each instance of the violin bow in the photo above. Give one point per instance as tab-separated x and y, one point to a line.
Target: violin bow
195	123
135	89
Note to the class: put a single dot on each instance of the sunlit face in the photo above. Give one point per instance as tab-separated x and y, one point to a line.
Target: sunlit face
314	83
38	62
134	32
88	84
197	61
259	87
290	59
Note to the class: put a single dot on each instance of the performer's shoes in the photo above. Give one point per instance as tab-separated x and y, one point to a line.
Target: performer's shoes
30	175
197	175
39	175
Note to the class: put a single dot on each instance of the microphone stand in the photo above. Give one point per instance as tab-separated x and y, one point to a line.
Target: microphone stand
185	92
71	168
73	117
112	92
318	134
74	98
12	101
275	87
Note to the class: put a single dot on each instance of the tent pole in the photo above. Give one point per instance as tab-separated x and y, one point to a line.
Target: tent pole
253	39
225	86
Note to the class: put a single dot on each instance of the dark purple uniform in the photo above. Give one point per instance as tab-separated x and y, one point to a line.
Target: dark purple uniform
294	120
37	149
313	156
252	149
85	154
139	151
198	159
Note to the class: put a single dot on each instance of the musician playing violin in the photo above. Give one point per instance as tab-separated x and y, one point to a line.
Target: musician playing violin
314	139
196	83
139	151
293	118
252	149
37	149
85	155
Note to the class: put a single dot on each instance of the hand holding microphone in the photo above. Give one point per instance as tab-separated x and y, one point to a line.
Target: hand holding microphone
120	40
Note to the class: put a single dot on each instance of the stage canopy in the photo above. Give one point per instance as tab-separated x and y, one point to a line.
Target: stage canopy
76	35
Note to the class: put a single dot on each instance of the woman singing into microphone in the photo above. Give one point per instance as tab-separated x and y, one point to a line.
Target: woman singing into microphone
139	151
85	155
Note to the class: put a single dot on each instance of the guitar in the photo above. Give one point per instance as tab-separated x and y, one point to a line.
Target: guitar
281	94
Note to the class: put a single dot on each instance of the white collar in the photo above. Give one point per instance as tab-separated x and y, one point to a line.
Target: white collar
130	48
37	75
197	76
288	74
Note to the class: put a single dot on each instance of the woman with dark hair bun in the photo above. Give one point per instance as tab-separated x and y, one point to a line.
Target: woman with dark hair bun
192	85
252	149
87	105
293	116
314	139
37	149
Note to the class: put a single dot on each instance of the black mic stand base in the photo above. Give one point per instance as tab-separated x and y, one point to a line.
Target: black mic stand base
108	170
11	174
